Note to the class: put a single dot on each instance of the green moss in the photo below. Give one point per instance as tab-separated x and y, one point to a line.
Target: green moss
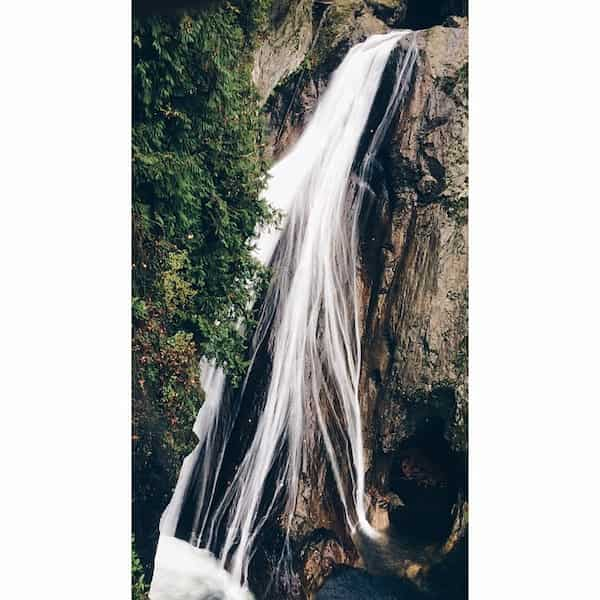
139	588
337	22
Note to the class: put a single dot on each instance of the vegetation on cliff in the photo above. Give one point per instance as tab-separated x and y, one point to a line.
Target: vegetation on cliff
198	171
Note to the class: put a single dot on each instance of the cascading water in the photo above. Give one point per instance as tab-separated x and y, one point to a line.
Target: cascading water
309	327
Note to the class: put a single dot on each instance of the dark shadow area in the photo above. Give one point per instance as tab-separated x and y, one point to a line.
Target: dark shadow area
346	583
423	14
449	579
426	478
165	8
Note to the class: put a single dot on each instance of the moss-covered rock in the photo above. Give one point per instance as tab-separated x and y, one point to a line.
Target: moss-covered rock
284	46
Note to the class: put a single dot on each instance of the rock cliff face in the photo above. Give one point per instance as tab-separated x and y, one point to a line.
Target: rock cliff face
415	291
413	286
285	45
337	26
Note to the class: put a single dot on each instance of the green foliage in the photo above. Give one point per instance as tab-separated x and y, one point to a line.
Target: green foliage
197	175
198	171
139	589
253	16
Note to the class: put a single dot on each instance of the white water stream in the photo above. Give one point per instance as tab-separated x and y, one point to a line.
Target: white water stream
310	324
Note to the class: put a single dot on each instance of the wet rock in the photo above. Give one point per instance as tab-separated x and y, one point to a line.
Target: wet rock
415	334
320	555
413	288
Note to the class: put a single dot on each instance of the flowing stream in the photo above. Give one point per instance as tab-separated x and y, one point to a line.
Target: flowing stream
309	328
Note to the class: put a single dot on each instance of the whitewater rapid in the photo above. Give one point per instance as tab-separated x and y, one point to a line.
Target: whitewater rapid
309	324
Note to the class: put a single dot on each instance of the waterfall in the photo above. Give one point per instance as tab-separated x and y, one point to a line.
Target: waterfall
309	327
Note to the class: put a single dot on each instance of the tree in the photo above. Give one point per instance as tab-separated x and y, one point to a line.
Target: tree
198	172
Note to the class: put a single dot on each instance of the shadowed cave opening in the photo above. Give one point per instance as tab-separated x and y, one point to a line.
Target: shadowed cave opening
426	475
